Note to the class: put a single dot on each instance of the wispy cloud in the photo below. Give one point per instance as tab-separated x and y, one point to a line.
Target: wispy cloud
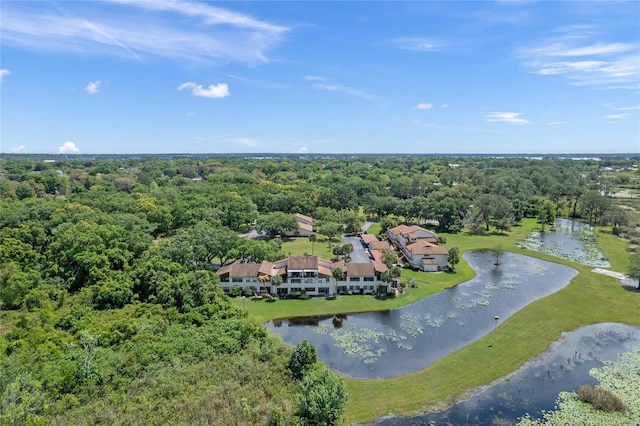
17	149
628	108
424	106
301	150
3	73
180	30
68	148
584	61
557	123
351	91
93	87
420	44
220	90
616	116
506	117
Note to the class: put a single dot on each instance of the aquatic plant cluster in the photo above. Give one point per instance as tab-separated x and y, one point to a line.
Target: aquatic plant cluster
359	343
421	324
570	240
619	377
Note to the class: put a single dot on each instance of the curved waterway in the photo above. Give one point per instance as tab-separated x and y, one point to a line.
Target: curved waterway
395	342
535	387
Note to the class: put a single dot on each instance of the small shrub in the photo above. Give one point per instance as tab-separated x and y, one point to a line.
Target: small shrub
601	399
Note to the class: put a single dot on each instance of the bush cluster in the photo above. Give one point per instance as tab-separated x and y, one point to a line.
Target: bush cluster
601	399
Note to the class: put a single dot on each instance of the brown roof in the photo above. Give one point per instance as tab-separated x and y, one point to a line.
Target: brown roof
303	217
240	270
360	269
369	238
303	262
379	245
325	270
425	247
305	226
404	229
377	255
266	268
379	266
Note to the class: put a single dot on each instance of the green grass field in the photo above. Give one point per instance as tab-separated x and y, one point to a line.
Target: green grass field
298	246
589	298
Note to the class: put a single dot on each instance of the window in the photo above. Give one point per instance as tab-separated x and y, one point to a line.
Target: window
323	280
224	279
323	290
296	290
236	280
309	289
354	278
309	280
368	278
295	281
252	280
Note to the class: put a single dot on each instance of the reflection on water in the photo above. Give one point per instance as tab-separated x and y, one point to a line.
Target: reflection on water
569	239
536	386
396	342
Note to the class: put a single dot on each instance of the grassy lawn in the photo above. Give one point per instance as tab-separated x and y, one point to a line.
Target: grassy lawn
374	229
298	246
589	298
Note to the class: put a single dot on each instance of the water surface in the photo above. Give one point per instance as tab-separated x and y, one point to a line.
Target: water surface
535	387
395	342
570	240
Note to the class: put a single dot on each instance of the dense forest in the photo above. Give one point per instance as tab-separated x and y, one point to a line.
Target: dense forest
110	309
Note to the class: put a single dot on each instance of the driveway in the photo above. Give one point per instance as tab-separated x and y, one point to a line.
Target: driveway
358	255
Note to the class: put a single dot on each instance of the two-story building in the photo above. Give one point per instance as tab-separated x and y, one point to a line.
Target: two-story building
305	226
309	274
419	247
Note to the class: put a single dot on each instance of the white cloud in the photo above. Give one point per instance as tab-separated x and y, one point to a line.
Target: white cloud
616	116
562	49
68	148
346	90
506	117
92	87
557	123
424	106
629	108
301	150
314	78
220	90
609	65
17	149
3	73
444	106
420	44
179	30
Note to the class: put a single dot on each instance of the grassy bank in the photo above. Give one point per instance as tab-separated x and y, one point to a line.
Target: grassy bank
589	298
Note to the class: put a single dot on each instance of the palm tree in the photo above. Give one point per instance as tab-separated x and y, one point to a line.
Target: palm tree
338	275
497	252
313	239
276	280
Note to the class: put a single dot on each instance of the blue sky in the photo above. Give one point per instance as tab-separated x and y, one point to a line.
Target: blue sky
123	76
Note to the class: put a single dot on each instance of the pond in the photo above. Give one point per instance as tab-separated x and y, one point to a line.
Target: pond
570	240
535	387
396	342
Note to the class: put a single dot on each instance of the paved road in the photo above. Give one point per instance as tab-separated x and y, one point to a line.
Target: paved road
358	255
